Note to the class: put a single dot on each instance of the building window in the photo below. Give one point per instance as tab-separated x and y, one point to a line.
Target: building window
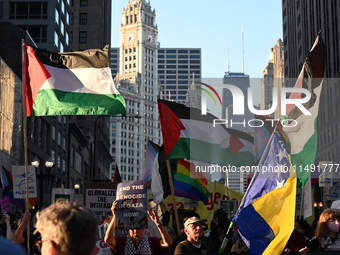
83	2
195	56
83	18
38	33
32	10
82	37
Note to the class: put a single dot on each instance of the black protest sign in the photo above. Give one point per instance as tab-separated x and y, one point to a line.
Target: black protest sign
132	205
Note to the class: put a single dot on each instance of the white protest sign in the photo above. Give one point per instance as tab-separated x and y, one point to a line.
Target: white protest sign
19	181
61	193
307	199
326	176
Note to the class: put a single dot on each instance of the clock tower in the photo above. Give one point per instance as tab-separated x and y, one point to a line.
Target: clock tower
137	82
138	43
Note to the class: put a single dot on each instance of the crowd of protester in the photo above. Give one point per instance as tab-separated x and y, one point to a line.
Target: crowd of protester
66	228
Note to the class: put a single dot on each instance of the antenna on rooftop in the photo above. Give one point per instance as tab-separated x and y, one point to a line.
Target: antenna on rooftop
228	63
242	51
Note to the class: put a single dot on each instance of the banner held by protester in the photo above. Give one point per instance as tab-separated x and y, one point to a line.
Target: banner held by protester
132	205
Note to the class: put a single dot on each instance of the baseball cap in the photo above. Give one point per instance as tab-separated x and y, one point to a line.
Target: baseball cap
191	220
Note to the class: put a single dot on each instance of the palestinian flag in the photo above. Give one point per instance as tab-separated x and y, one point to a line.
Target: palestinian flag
302	133
72	83
188	134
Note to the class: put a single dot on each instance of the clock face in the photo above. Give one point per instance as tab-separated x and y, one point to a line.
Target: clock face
130	37
149	38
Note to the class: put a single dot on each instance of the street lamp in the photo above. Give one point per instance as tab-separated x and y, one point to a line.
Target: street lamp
318	208
48	165
77	187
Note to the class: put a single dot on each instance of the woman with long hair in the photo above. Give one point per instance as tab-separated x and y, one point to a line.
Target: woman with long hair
328	228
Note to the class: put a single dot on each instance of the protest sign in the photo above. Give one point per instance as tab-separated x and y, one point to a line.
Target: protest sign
99	201
132	205
19	181
101	248
63	194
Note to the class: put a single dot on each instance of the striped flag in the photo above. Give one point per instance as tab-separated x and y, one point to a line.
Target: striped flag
302	133
72	83
150	155
190	184
189	134
160	185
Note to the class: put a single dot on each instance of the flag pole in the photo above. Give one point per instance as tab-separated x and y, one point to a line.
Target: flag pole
24	127
173	196
301	204
261	160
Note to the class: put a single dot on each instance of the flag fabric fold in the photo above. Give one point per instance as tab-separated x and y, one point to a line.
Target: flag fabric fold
6	179
117	177
189	134
71	83
270	202
160	184
263	132
150	155
186	181
190	184
303	132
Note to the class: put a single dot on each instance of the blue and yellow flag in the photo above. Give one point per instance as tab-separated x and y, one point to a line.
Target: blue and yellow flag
266	215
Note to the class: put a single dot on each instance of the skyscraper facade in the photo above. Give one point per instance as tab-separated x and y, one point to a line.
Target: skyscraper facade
179	74
272	77
48	22
90	24
239	122
69	141
137	82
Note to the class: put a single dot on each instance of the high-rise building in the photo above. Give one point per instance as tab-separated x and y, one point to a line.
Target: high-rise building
266	86
302	20
74	143
11	117
91	29
143	73
91	24
239	122
179	73
272	77
137	82
236	180
47	22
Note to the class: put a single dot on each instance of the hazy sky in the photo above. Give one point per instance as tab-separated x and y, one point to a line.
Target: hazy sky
211	26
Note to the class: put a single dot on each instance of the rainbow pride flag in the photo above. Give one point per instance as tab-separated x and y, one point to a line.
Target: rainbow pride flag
190	184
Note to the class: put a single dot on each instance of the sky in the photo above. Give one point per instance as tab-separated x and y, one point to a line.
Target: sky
215	26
